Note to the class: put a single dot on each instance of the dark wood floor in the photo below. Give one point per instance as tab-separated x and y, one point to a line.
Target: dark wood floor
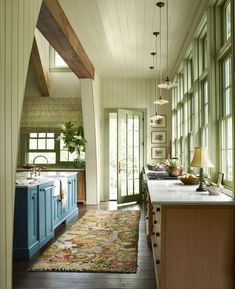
144	278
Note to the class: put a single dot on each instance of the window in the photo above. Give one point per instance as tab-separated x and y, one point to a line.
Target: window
204	114
45	144
226	153
227	21
41	144
57	63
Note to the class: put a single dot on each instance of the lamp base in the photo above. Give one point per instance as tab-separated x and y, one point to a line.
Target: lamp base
202	185
201	189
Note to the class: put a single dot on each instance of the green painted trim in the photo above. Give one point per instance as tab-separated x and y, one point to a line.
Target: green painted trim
106	143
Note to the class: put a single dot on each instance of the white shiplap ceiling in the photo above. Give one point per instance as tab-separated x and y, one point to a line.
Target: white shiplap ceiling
117	34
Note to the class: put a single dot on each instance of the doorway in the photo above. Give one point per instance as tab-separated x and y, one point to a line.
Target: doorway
125	154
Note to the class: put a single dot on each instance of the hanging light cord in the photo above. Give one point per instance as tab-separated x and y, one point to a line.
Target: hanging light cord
160	50
167	48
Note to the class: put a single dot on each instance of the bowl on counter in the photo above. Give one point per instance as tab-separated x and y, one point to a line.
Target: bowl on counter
214	189
189	180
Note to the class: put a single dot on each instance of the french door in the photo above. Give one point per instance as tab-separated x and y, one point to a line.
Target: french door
125	154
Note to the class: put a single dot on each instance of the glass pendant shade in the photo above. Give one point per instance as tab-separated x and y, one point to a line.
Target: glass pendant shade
167	84
161	101
155	117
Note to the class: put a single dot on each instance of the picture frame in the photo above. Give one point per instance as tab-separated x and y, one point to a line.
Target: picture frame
158	152
160	123
220	178
158	137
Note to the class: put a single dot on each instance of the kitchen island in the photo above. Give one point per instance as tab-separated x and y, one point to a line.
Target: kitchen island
41	204
192	236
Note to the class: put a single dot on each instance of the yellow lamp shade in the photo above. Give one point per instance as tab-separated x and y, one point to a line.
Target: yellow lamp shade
201	158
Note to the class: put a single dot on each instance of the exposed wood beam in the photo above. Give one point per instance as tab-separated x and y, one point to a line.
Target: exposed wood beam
38	61
55	27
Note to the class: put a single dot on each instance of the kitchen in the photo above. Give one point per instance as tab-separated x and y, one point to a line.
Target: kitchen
113	92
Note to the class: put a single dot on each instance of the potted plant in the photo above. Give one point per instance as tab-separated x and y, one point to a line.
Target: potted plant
174	168
74	141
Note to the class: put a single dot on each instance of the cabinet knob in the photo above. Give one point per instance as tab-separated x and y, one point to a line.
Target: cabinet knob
153	233
157	234
153	213
155	222
157	262
154	245
147	218
34	196
158	209
69	182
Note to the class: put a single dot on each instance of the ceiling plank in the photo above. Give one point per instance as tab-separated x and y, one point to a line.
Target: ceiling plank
55	27
41	72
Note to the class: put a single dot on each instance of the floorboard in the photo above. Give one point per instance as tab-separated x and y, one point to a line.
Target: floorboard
143	279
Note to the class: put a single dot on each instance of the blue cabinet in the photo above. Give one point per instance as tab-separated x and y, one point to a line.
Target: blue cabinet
38	212
32	219
67	210
45	213
72	192
26	235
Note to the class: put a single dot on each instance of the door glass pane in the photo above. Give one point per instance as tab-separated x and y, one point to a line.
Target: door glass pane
123	154
130	187
113	156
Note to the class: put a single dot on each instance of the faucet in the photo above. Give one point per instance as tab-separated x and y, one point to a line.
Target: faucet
35	168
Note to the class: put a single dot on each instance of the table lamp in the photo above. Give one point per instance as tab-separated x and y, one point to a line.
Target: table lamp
201	160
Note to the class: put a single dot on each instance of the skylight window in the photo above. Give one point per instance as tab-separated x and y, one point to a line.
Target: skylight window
59	62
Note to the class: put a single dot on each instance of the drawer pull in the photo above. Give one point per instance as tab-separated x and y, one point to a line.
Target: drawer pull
47	189
157	262
157	234
154	245
155	222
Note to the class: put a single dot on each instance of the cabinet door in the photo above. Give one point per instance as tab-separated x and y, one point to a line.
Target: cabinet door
58	211
32	216
81	187
45	213
72	193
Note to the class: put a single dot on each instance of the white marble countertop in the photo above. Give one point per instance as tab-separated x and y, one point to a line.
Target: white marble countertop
23	180
173	192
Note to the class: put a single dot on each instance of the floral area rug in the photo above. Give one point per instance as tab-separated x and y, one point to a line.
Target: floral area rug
101	241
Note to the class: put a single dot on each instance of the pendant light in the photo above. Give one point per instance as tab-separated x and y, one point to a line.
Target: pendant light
155	116
167	84
159	101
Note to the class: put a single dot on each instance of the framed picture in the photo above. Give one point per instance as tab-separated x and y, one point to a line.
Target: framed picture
158	137
158	153
220	178
159	122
